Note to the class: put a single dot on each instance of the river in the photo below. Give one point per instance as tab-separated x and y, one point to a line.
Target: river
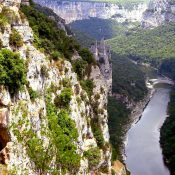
143	151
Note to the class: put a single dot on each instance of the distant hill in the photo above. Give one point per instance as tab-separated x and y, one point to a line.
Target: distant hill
146	45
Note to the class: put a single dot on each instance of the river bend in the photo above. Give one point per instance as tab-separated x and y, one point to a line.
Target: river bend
143	152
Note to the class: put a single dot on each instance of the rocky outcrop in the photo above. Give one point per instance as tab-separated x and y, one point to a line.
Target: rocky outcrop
159	12
21	113
73	10
119	168
102	55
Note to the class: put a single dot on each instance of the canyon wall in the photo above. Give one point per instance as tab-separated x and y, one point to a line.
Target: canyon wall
21	115
73	10
159	12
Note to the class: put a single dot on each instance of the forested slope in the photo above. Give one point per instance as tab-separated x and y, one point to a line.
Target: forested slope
167	139
146	45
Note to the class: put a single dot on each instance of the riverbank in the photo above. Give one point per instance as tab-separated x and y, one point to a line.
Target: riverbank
167	137
143	138
139	107
135	116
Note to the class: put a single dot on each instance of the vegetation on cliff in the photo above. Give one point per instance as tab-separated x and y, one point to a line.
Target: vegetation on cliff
54	145
13	70
167	139
48	37
118	119
62	133
53	41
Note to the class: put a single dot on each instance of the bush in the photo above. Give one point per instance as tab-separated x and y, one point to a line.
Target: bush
1	44
97	133
66	83
9	15
87	56
3	22
13	71
63	136
79	67
55	55
44	71
33	94
93	156
15	39
88	86
63	100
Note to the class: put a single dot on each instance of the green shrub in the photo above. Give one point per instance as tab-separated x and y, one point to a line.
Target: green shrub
9	15
97	97
16	39
44	71
113	172
13	71
66	83
3	22
78	99
63	135
93	156
87	56
63	100
55	55
33	94
88	86
79	67
1	44
97	132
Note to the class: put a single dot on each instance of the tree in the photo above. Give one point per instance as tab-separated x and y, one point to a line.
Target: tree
15	39
87	56
13	70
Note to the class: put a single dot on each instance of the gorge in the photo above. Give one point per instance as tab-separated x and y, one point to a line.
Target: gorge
66	104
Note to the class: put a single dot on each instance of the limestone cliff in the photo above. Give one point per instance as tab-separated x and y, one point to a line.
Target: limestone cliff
159	12
102	54
73	10
24	121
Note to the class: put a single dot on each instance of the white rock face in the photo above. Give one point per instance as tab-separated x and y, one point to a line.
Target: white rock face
13	110
159	12
72	10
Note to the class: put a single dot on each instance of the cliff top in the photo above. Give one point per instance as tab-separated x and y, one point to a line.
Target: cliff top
122	2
